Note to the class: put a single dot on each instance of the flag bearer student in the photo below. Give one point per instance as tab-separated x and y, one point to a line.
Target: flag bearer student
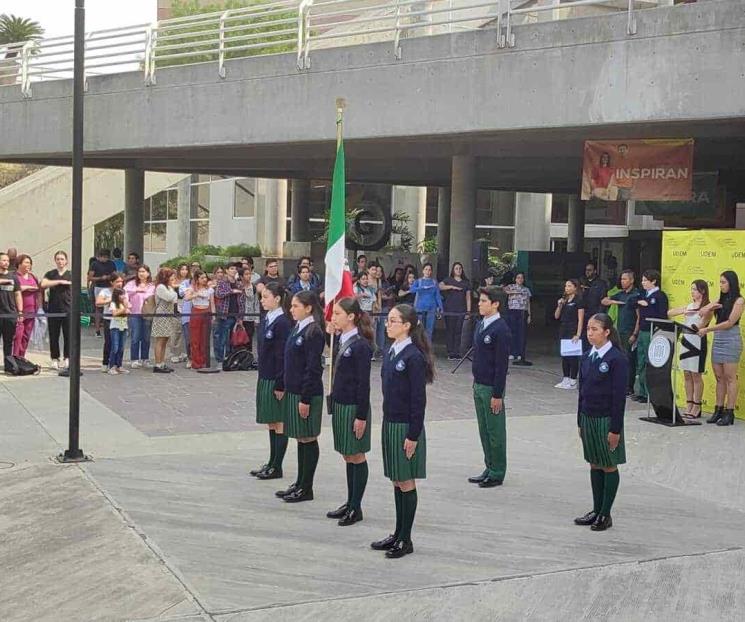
351	402
491	351
407	369
275	329
304	391
600	410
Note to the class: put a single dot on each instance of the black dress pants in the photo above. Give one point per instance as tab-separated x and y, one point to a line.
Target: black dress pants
57	325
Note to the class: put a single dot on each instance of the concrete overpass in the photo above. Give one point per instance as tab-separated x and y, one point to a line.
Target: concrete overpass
454	105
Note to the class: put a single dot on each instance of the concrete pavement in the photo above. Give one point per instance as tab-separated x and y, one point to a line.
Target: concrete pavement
166	524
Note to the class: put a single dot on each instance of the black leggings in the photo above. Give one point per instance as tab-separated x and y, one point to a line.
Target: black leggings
7	332
570	366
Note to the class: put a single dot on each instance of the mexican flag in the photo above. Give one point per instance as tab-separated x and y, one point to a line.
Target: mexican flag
338	283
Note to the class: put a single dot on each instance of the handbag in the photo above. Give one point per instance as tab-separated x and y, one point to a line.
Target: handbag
239	336
148	306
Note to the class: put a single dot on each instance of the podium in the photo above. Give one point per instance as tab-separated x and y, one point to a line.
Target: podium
662	372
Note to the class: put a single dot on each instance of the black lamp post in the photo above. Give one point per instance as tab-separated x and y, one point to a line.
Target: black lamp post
73	453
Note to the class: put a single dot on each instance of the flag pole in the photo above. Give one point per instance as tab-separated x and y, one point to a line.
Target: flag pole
340	105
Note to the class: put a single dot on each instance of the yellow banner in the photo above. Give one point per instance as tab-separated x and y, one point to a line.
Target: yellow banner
705	254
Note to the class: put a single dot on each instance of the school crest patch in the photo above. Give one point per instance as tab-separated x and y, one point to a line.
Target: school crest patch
299	341
400	366
603	367
487	339
347	352
269	334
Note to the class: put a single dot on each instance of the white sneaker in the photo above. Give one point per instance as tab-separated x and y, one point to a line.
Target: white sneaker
66	364
121	370
113	372
135	364
188	364
572	384
104	369
55	364
564	384
512	358
147	364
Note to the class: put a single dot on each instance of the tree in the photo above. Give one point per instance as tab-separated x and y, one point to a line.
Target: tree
14	29
257	23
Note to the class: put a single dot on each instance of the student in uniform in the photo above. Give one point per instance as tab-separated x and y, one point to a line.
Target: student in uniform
303	381
275	328
407	369
600	410
653	304
491	350
350	398
570	311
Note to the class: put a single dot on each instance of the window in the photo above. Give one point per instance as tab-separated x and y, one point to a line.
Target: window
597	212
200	232
159	209
495	219
199	211
244	200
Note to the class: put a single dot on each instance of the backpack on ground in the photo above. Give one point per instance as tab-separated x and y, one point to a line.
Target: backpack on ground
239	360
19	366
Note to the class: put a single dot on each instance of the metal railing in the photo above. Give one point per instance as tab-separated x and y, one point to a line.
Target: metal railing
281	26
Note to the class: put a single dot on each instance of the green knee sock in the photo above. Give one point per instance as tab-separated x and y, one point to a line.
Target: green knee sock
408	502
597	479
312	453
280	448
399	510
272	447
300	464
609	491
359	483
350	482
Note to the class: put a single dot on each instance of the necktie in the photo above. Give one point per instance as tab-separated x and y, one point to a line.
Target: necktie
594	357
392	353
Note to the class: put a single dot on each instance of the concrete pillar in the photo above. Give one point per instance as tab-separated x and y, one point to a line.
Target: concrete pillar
300	210
463	210
576	228
532	221
271	215
413	201
443	231
183	219
134	207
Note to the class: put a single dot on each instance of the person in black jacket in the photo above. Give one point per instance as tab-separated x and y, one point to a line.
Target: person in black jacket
350	398
407	369
491	351
304	390
600	410
275	328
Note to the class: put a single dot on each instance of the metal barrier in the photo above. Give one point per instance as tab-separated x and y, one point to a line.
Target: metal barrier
281	26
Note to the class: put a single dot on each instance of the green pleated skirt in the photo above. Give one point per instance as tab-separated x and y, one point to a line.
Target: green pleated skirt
396	466
595	442
295	425
342	422
268	408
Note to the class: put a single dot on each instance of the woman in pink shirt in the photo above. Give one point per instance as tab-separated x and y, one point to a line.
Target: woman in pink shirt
138	291
31	295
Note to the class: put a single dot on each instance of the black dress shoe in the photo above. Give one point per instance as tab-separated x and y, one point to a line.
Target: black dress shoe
602	523
283	493
490	482
477	479
270	473
587	519
338	512
261	469
299	495
399	549
384	544
350	518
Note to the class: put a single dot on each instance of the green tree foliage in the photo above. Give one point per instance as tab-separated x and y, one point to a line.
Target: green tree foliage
265	31
14	29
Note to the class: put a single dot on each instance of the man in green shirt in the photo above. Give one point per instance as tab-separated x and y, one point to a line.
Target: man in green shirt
628	320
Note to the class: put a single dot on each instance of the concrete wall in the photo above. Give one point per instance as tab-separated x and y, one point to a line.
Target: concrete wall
561	74
36	211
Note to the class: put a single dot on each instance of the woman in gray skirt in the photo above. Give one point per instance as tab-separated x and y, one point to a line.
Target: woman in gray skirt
407	369
727	349
350	401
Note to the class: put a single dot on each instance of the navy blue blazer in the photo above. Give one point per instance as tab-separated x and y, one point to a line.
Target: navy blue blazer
272	350
352	376
491	352
404	389
304	362
602	387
